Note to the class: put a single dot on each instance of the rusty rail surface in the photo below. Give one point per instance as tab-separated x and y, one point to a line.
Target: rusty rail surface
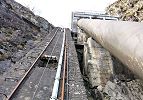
64	73
29	70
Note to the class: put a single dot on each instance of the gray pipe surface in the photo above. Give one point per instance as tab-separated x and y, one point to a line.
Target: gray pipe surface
123	39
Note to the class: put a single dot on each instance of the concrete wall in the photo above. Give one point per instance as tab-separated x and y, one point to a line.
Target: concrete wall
82	38
97	63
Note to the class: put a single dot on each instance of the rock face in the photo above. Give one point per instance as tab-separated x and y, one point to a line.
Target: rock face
130	10
20	31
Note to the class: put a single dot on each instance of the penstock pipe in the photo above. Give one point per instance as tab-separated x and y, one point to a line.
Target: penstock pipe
123	39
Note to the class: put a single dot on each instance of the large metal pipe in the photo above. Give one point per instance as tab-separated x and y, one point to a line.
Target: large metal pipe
123	39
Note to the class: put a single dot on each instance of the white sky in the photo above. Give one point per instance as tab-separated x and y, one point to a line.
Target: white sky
58	12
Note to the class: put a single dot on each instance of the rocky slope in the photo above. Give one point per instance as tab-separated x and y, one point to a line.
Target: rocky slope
131	10
20	31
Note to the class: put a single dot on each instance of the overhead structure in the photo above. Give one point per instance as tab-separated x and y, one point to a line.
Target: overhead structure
123	39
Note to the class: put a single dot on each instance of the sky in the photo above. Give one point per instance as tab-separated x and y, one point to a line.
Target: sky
58	12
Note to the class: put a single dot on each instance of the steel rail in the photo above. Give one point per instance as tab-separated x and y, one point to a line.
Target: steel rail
64	73
44	70
29	70
67	81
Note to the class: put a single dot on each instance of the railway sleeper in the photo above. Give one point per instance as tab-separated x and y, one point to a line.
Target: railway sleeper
16	79
51	59
17	69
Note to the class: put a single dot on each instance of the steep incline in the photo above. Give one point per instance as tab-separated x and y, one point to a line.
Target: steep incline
20	31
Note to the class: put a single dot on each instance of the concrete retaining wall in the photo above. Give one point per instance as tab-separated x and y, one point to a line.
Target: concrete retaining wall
97	63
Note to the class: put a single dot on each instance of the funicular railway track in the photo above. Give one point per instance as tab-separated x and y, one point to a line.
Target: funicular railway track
37	82
29	70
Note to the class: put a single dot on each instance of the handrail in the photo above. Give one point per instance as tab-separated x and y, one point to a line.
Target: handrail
57	77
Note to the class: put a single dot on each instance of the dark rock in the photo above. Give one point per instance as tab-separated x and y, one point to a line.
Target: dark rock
20	30
30	44
4	65
17	56
2	51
